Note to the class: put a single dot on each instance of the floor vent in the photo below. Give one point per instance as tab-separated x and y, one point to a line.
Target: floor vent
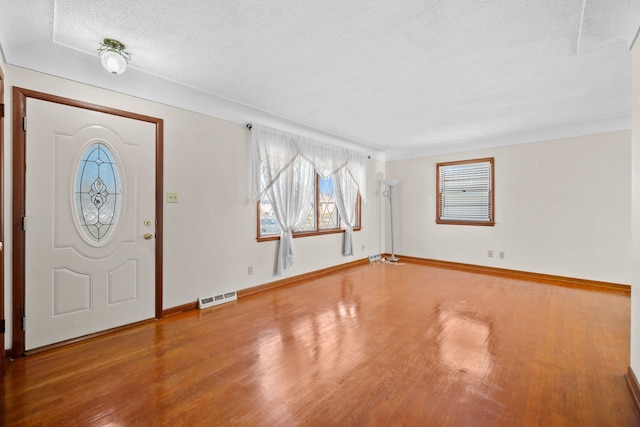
205	302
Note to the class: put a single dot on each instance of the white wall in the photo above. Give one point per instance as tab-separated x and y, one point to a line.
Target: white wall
635	212
209	236
562	208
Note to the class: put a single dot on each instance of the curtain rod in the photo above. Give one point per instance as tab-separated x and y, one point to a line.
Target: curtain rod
249	126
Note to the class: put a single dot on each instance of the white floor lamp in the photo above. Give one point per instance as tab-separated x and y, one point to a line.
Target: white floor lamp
388	194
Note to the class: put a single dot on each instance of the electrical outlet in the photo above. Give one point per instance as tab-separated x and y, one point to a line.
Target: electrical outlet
501	254
172	197
250	270
490	254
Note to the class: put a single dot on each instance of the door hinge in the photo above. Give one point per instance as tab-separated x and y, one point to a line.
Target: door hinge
24	323
2	326
24	123
24	223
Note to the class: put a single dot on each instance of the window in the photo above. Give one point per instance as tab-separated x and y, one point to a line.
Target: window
323	216
465	192
97	193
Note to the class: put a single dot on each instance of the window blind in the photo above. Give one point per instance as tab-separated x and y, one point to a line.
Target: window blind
465	191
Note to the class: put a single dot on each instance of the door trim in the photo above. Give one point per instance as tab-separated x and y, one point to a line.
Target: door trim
3	361
20	96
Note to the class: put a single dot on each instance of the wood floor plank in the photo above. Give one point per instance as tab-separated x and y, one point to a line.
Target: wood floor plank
376	344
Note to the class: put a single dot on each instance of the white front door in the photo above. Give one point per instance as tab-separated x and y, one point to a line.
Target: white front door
90	226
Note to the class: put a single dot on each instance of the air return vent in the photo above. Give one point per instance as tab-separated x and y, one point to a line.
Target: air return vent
210	301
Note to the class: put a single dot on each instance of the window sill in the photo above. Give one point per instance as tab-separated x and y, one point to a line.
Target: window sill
486	224
306	234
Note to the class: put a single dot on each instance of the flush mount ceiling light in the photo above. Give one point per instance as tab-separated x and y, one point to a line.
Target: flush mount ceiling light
114	57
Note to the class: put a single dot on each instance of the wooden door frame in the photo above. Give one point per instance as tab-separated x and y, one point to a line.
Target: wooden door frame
20	96
3	362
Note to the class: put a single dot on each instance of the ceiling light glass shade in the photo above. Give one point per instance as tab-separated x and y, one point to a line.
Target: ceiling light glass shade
390	182
113	56
113	62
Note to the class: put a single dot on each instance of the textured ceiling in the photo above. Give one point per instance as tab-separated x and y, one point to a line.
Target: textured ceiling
397	77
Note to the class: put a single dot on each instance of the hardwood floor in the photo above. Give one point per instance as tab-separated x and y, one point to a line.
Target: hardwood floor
376	345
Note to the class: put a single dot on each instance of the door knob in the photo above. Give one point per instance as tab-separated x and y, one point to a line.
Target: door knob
148	236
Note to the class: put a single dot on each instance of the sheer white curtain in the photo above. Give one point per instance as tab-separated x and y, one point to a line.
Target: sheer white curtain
291	197
346	191
340	164
283	170
287	179
328	159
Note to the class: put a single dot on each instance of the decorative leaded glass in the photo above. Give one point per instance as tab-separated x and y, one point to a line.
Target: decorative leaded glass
328	211
97	193
309	224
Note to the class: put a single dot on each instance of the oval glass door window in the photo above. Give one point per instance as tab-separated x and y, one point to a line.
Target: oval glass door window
98	193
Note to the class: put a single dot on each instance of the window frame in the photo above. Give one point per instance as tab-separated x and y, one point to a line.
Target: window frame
318	231
491	221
